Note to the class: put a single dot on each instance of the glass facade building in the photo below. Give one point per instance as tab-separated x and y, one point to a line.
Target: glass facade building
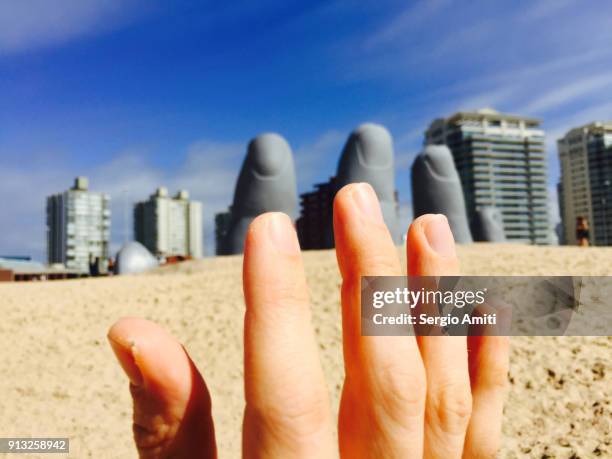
501	161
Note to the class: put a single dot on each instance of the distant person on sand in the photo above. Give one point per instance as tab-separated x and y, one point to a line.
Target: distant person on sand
403	397
582	231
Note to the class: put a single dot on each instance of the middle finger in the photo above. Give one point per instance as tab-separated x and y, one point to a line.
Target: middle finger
381	412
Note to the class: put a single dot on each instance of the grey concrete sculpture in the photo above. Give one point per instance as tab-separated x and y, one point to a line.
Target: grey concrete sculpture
266	184
436	189
134	258
488	225
368	157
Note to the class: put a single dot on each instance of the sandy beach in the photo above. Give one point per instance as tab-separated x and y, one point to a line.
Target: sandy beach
60	377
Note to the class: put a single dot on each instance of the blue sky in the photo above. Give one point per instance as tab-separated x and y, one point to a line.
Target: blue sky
137	94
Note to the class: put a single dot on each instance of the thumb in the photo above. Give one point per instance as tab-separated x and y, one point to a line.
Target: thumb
172	406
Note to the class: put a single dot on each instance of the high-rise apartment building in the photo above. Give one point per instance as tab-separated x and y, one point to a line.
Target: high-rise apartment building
78	227
585	187
501	161
169	226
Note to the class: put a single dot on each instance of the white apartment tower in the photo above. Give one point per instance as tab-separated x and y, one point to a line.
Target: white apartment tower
169	226
501	161
78	226
585	187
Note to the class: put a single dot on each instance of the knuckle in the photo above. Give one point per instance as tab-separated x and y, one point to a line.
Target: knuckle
382	264
154	429
344	193
496	377
311	411
451	405
488	450
298	416
403	393
153	437
369	263
282	299
294	292
481	448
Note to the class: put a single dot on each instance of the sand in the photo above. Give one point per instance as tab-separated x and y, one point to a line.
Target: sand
60	377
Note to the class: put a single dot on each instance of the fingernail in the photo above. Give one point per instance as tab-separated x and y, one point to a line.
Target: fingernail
125	357
282	234
366	200
439	236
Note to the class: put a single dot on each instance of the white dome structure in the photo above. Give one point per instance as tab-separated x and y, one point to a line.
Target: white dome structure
134	258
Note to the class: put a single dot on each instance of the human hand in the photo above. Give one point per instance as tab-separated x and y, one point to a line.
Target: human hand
403	397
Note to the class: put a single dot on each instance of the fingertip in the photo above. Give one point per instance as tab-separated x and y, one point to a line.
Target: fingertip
358	200
347	190
172	405
122	345
432	232
364	245
342	201
277	229
150	356
431	246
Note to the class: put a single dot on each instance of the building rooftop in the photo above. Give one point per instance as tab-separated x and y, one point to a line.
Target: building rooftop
595	126
162	192
81	184
490	113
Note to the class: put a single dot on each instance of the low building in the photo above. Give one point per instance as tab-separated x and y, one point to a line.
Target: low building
14	269
316	217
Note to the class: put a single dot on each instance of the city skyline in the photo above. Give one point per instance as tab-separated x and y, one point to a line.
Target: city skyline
169	94
213	238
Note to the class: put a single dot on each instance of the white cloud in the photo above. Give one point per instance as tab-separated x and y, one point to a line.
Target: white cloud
209	172
32	24
23	208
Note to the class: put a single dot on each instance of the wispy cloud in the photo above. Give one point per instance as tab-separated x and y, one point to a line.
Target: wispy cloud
564	94
31	24
533	58
406	148
413	17
542	9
